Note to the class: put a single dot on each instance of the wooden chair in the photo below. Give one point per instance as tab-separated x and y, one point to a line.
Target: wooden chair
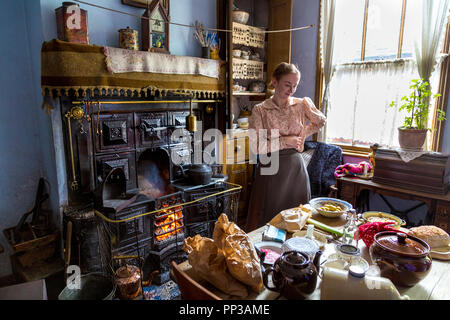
189	288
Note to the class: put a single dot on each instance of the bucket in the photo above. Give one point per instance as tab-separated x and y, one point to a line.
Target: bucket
94	286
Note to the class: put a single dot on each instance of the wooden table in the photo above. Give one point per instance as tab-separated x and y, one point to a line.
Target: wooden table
355	191
434	287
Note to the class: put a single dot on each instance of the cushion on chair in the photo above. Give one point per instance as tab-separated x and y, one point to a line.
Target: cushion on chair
324	160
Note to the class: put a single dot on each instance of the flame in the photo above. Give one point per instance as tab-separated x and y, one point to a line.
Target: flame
171	225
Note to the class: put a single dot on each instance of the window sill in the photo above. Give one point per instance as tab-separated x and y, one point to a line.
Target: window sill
352	151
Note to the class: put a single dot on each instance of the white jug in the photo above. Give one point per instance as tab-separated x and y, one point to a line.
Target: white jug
354	284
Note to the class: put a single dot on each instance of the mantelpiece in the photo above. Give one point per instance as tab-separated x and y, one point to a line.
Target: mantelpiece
71	66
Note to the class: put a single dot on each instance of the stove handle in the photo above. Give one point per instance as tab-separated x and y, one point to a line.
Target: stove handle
150	129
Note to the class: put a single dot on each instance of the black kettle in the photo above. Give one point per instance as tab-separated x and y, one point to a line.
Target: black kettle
198	174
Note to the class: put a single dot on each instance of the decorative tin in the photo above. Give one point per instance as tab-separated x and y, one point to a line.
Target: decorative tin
129	39
72	23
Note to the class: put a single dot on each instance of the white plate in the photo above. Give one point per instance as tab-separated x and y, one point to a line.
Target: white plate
318	237
272	245
334	261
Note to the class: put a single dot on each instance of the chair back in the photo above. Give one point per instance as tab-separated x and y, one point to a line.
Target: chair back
189	288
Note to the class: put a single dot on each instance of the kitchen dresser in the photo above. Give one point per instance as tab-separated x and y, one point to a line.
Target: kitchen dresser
272	48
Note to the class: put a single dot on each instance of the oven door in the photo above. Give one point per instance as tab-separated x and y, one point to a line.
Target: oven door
151	129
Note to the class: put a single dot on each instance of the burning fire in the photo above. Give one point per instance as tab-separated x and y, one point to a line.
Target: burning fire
170	225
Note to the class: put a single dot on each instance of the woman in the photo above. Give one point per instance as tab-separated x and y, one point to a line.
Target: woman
295	119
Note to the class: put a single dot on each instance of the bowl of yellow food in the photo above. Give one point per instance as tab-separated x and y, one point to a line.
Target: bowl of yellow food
330	207
378	216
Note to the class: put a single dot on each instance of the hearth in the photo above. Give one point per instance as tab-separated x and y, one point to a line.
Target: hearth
150	232
141	205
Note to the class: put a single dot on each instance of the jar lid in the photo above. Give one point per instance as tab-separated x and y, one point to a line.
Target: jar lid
356	271
349	249
401	243
305	245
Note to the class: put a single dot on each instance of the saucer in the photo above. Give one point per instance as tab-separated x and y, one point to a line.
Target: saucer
333	261
318	237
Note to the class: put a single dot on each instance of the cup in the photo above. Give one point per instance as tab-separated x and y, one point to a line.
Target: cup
243	122
206	53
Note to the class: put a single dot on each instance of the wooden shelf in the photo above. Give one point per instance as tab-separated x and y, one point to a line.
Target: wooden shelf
248	93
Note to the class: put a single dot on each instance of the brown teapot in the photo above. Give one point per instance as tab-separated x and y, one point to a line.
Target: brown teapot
293	274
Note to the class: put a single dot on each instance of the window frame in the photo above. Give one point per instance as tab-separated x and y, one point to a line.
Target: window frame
444	83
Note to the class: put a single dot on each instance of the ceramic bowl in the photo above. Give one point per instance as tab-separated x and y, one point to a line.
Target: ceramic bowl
318	203
243	123
403	259
257	86
378	216
267	246
240	16
237	53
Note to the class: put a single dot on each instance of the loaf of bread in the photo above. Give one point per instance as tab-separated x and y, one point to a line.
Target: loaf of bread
434	236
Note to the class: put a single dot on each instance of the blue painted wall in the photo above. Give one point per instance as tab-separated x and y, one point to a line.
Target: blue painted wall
304	44
104	25
446	137
21	157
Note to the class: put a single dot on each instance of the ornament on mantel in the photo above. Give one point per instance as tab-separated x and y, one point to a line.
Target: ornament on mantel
155	28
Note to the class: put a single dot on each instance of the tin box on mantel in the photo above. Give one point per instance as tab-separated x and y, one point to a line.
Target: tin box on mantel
72	23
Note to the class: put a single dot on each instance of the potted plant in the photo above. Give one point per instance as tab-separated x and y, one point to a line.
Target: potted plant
413	133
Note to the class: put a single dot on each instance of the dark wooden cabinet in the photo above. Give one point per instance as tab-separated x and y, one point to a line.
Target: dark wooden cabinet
276	48
151	129
115	132
119	135
356	190
123	160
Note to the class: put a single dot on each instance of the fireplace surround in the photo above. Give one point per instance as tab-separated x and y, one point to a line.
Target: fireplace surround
122	164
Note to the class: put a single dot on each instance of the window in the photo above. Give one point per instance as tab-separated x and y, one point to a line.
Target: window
373	56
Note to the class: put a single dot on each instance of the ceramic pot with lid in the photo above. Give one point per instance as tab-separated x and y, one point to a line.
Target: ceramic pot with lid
294	275
403	259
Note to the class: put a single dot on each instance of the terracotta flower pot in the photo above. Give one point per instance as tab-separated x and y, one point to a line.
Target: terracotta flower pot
412	138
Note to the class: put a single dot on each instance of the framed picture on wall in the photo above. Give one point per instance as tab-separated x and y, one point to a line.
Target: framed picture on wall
146	3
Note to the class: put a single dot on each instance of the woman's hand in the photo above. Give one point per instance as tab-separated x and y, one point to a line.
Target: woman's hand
293	141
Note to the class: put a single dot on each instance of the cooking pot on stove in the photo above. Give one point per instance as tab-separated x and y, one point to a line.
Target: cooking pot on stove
198	174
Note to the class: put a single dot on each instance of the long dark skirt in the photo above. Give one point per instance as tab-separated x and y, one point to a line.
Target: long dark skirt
271	194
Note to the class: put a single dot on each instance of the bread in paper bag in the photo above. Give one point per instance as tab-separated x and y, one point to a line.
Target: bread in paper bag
208	261
292	220
240	254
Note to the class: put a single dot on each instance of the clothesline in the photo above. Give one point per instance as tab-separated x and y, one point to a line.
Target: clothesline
190	26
